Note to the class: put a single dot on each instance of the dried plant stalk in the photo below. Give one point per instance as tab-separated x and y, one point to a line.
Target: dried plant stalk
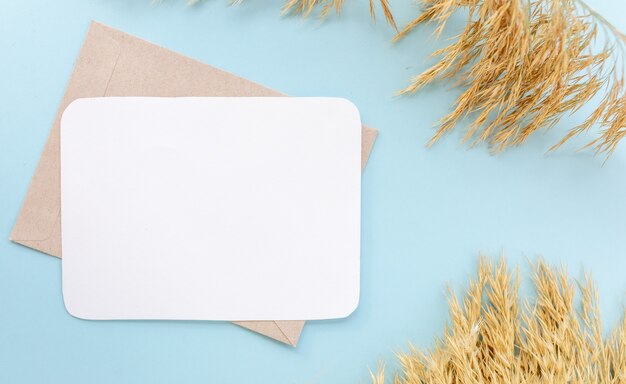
305	7
524	64
491	339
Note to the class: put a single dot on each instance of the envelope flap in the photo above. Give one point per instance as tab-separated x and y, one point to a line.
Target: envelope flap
368	137
287	332
145	69
40	213
291	330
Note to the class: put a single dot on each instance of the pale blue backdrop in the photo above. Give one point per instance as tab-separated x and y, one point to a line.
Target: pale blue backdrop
426	212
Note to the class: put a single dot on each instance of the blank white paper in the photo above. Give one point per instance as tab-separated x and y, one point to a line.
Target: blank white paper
211	208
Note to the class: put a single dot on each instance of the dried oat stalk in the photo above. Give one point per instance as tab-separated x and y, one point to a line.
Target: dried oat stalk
492	339
305	7
523	65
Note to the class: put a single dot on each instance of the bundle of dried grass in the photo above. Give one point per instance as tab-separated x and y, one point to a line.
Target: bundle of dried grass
491	339
305	7
524	64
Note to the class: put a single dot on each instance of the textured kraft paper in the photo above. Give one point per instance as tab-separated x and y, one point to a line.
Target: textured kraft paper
113	63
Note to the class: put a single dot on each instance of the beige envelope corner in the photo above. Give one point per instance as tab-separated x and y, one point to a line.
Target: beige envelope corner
113	63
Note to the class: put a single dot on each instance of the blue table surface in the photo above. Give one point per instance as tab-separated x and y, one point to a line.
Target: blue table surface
426	212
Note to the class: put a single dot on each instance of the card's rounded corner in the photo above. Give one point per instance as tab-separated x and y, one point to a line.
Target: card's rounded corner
68	112
71	109
349	105
73	105
354	305
71	309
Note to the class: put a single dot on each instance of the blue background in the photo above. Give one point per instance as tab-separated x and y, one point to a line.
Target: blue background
426	212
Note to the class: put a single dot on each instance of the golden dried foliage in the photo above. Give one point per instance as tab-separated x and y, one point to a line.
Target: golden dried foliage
305	7
492	339
523	65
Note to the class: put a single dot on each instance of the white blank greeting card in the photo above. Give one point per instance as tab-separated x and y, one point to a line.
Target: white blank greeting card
211	208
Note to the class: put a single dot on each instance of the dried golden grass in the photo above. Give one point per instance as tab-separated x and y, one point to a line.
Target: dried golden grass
493	339
523	65
305	7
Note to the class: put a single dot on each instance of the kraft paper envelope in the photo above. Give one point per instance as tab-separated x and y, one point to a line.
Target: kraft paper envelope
113	63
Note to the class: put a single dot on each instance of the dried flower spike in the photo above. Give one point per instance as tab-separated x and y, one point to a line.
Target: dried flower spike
490	339
305	7
524	64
